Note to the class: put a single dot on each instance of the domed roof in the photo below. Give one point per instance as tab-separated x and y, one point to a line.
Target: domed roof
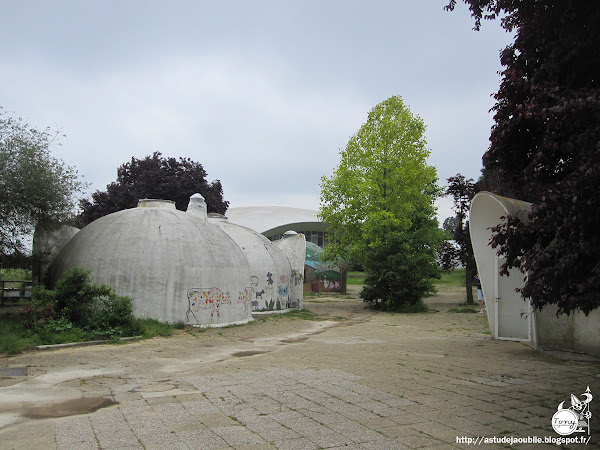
273	278
175	265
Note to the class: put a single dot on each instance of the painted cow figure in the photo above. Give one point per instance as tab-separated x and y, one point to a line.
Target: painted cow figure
211	298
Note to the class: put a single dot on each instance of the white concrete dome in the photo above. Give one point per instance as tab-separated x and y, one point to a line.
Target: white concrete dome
275	283
174	264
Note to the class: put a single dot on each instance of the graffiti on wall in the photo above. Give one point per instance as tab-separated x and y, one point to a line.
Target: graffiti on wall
211	299
297	277
245	297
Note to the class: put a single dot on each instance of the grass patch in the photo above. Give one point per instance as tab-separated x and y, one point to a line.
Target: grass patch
463	310
454	278
356	277
301	314
15	338
152	327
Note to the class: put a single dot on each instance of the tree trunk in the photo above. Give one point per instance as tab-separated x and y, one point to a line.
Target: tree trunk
469	284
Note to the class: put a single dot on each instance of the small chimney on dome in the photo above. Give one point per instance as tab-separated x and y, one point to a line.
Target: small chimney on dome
197	206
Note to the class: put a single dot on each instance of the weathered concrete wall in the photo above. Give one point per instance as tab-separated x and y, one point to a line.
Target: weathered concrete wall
575	332
270	269
174	265
46	245
294	247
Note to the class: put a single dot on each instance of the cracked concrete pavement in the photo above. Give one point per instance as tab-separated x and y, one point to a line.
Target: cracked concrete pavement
351	378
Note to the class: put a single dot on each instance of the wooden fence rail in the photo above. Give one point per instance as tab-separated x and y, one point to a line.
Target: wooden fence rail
15	290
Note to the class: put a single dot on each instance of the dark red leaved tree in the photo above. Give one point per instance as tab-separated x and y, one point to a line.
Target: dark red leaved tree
154	177
545	146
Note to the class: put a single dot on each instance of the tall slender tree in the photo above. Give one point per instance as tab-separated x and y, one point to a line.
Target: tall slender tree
462	191
379	206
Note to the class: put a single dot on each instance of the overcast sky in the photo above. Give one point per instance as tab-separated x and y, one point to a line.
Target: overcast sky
263	93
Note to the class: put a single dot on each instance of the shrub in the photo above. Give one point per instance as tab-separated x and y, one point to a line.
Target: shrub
112	316
59	331
75	295
33	316
80	309
400	271
76	311
15	274
419	307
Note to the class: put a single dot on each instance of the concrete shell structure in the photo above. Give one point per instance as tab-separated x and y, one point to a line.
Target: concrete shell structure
176	265
275	275
509	316
294	248
274	221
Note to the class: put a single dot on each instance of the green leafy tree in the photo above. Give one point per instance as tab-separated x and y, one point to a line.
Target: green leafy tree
36	189
544	147
378	205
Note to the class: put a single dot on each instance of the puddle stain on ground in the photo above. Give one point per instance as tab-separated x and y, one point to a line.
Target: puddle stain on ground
249	353
66	408
273	343
294	340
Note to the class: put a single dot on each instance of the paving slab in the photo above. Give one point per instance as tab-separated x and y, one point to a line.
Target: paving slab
365	380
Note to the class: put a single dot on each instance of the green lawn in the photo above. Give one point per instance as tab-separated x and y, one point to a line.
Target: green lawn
356	277
454	278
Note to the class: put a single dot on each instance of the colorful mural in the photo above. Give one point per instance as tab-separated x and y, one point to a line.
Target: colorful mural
245	297
321	276
211	299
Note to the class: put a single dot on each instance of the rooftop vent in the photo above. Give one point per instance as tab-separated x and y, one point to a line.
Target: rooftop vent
155	203
197	206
